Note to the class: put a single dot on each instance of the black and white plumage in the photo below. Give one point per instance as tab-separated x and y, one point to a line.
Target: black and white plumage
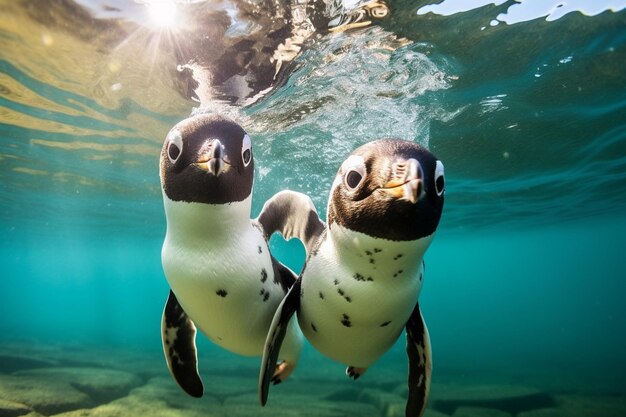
222	276
364	271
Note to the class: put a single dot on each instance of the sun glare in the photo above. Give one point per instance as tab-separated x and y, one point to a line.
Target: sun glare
162	13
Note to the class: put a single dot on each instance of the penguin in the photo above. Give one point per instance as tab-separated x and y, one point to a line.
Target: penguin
364	270
223	279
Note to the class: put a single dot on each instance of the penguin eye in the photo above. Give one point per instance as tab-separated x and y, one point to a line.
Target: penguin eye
354	169
439	179
174	146
173	152
353	179
246	150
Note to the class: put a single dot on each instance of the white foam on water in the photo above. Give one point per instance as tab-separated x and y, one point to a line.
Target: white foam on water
526	10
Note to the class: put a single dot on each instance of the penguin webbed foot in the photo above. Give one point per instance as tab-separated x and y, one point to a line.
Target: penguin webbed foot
282	372
355	372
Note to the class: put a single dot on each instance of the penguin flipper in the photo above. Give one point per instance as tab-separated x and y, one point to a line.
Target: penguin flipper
292	214
178	335
275	337
420	364
285	276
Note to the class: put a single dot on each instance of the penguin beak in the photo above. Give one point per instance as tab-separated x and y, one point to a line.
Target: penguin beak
406	181
212	160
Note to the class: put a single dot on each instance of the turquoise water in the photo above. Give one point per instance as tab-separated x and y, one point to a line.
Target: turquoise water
525	279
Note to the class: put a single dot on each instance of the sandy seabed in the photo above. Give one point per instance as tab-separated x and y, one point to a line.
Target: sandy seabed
80	381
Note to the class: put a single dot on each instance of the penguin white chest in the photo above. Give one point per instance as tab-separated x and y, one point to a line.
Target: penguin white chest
222	274
358	293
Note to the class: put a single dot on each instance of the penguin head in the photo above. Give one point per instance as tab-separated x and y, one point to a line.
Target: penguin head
391	189
207	159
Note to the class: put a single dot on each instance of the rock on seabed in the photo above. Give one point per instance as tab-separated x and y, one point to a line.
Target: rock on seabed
42	395
101	385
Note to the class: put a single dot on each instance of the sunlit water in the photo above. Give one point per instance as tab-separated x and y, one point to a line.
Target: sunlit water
525	102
